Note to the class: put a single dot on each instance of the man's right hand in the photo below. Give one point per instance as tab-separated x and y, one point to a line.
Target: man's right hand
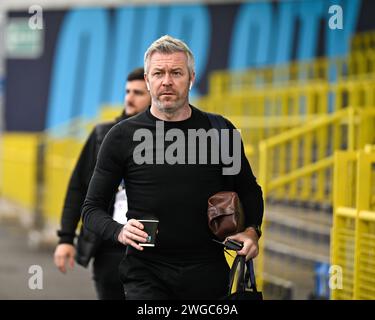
132	233
64	253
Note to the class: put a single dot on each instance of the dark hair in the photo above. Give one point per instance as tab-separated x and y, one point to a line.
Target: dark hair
136	74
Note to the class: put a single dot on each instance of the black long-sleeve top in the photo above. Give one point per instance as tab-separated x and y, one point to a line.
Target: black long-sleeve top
175	194
80	179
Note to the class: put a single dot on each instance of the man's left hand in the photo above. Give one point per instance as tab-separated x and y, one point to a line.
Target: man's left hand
250	239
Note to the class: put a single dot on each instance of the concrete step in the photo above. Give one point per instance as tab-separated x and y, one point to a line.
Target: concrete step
301	233
295	278
307	253
295	240
309	220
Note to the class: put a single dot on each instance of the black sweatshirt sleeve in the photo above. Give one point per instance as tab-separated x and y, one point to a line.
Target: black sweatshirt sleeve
104	183
249	192
77	189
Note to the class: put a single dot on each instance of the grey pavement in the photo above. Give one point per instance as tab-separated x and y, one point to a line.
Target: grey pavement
16	257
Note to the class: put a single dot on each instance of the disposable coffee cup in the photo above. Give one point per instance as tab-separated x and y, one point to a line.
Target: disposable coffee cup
150	227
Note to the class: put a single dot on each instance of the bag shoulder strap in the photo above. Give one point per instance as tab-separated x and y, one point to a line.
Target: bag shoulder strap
217	121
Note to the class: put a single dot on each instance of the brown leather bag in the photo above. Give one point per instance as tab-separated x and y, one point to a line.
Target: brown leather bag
225	214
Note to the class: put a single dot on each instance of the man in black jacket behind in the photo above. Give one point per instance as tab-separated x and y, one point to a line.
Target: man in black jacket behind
108	254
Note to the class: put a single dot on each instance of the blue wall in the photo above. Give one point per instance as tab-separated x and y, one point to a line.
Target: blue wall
92	50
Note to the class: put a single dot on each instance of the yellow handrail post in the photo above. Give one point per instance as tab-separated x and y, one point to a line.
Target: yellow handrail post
263	161
344	218
263	183
339	166
351	129
362	200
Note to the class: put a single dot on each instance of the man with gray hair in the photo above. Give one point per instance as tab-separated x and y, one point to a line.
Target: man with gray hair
184	263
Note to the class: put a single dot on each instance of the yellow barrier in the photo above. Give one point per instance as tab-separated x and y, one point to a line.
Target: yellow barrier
19	171
359	65
343	228
110	112
265	113
20	165
353	231
363	41
60	158
297	164
61	155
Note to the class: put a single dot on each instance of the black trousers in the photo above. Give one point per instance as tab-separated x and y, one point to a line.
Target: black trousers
106	275
156	279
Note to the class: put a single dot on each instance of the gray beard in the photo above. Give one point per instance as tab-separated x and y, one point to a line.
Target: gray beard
172	109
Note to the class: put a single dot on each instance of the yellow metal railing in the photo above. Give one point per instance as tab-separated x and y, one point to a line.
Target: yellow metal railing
297	164
357	65
363	41
353	230
311	98
261	114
